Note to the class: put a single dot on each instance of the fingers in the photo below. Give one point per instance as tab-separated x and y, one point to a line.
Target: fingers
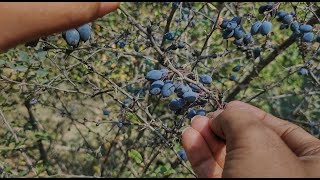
216	145
24	21
297	139
249	141
199	154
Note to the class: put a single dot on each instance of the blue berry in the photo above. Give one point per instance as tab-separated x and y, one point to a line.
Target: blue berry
238	33
155	91
121	43
238	42
227	34
72	37
266	7
318	38
247	39
106	112
169	36
236	68
205	79
201	101
195	87
157	84
231	25
154	75
167	89
190	96
180	90
308	37
294	26
120	124
233	77
224	23
176	104
182	154
237	19
136	47
255	27
191	113
165	72
305	28
318	52
265	28
284	26
303	71
201	112
256	52
85	32
287	19
181	45
281	14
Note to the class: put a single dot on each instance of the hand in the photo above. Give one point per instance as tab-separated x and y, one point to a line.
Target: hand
26	21
244	141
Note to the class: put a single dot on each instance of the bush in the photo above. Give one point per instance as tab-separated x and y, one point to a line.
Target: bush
89	109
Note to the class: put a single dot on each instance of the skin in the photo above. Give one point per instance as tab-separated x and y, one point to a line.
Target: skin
240	141
244	141
26	21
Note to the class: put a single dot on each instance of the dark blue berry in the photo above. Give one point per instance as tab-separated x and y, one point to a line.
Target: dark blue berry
154	75
181	45
190	96
255	28
233	77
231	25
169	36
72	37
176	104
106	112
237	19
201	112
284	26
238	33
168	89
227	34
85	32
303	71
305	28
256	52
236	68
181	89
121	43
182	154
205	79
266	27
247	39
195	87
308	37
191	113
294	26
287	19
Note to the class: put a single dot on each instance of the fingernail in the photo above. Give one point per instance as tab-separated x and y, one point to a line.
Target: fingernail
185	129
194	117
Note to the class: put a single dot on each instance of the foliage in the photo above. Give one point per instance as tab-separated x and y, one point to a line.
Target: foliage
86	110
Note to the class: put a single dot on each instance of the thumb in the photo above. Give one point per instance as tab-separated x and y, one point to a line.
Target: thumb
25	21
249	141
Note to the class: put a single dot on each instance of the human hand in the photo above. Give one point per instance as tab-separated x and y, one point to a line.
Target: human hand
244	141
26	21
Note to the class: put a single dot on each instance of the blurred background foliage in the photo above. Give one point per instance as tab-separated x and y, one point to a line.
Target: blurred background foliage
54	98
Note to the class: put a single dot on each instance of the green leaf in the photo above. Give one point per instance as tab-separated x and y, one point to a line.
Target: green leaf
20	68
135	155
23	56
2	62
133	117
42	72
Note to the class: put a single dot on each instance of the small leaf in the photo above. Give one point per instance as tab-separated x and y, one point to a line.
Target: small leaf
135	155
20	68
42	72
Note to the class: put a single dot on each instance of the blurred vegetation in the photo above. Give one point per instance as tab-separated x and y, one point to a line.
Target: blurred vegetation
54	97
